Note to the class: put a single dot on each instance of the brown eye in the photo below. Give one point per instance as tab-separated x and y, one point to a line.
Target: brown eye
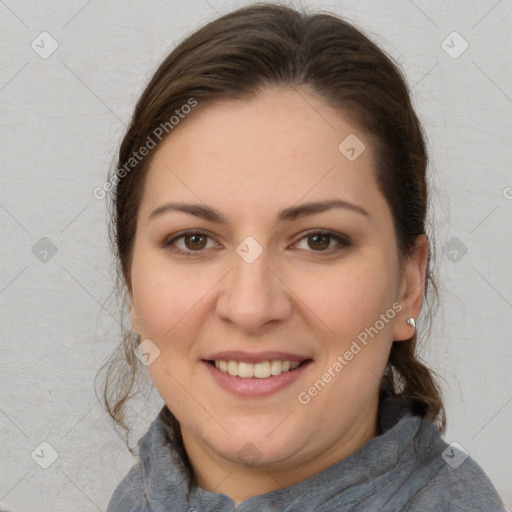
188	243
195	241
320	241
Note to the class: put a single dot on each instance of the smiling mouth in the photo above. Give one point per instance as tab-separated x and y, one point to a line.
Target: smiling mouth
262	370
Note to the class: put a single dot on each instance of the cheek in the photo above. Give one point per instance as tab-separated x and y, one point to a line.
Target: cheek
168	303
164	296
172	303
351	297
356	306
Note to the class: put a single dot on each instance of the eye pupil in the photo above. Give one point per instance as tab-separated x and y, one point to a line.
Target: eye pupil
195	238
321	245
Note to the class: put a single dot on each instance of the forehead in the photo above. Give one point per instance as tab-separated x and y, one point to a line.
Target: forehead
280	147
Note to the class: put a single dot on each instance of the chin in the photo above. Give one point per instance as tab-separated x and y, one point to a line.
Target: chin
258	448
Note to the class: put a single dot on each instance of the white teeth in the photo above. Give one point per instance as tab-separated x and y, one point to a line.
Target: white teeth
233	368
275	367
262	370
245	370
259	370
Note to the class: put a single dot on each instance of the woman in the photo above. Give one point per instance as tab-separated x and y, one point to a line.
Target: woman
270	222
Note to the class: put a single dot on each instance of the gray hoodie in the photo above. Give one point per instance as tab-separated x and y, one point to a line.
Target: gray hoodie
408	467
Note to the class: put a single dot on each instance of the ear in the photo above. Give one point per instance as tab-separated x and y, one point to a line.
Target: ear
412	288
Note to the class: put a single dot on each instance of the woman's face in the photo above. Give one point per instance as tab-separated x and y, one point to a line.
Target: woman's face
256	290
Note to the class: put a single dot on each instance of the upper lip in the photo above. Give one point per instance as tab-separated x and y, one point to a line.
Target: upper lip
254	357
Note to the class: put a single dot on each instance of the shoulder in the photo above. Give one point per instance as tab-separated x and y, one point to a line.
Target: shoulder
129	495
457	484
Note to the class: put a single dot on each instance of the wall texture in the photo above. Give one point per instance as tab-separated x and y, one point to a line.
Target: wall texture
70	73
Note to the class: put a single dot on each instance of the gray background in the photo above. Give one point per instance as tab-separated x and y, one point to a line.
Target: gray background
61	122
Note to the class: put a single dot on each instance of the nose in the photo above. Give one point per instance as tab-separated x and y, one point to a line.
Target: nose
253	295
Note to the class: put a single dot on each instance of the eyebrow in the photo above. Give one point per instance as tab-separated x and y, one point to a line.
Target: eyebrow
287	214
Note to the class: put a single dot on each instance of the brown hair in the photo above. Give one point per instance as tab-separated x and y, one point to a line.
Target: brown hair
235	57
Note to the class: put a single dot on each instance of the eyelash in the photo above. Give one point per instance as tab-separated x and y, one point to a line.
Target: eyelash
342	240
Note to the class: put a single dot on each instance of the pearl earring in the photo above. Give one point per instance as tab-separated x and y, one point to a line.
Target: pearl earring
411	321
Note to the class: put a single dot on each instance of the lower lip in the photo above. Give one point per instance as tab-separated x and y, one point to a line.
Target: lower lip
255	387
